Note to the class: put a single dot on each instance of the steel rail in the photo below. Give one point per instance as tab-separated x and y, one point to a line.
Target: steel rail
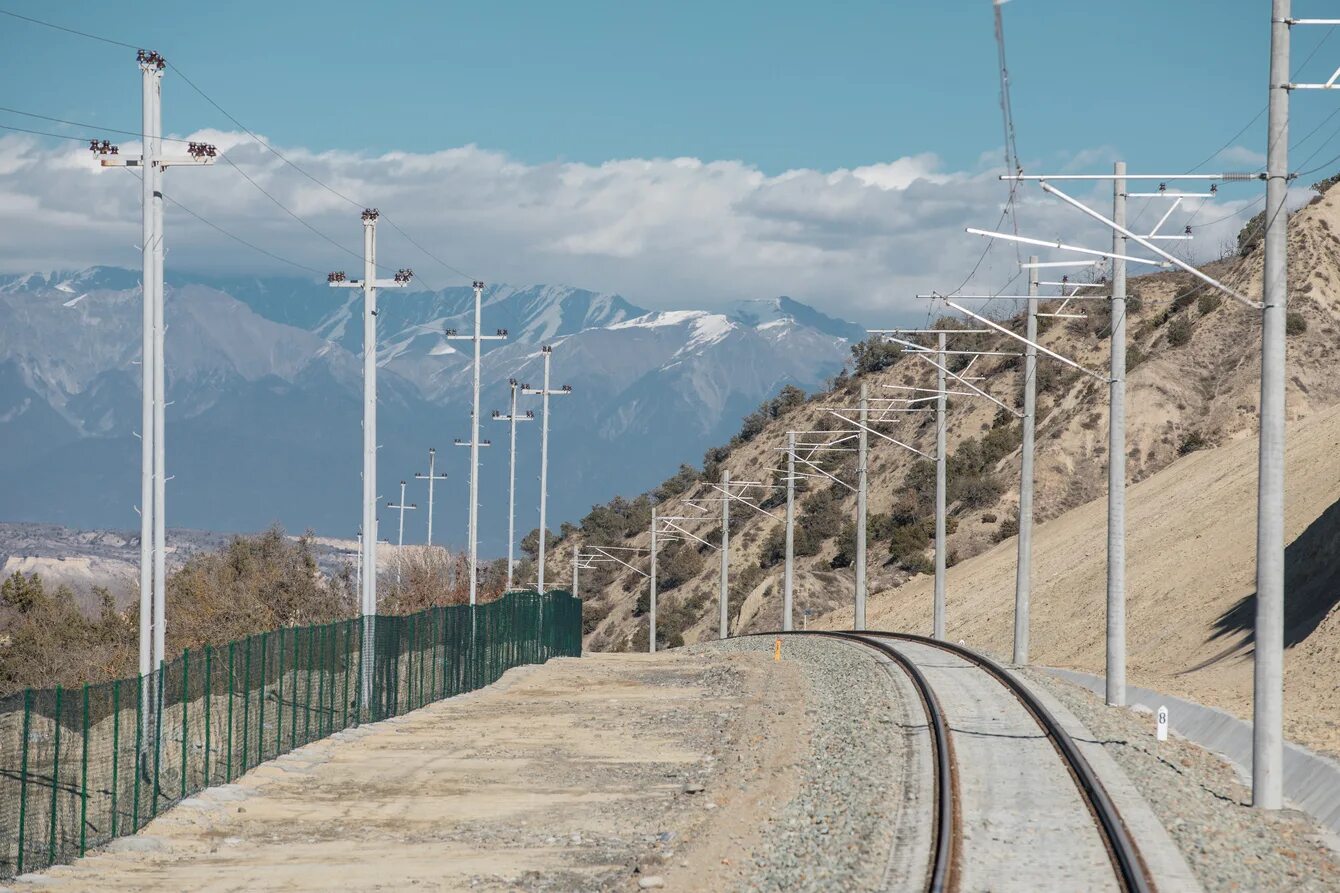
942	865
1126	859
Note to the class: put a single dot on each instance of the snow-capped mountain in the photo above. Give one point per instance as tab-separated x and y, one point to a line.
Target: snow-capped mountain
264	385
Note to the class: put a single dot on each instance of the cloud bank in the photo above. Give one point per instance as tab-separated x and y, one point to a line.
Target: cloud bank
665	232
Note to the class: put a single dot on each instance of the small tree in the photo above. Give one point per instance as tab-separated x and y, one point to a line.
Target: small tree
874	355
1179	332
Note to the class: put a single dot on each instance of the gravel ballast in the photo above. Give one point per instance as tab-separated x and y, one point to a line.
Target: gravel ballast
1199	798
837	833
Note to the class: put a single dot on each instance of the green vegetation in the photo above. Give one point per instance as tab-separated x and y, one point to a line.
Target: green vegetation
1295	323
1193	441
1179	332
874	355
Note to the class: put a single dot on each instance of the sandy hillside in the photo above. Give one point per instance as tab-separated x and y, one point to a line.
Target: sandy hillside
1191	550
1193	385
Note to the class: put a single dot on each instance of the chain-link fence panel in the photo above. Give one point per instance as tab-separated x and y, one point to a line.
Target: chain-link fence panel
81	766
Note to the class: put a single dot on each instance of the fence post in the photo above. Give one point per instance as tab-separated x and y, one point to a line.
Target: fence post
246	708
260	720
332	663
23	774
209	672
55	783
116	746
359	706
279	697
307	695
344	693
293	724
139	751
232	684
320	679
83	783
421	649
185	714
158	732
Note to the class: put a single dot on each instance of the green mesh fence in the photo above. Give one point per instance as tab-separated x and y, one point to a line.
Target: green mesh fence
80	766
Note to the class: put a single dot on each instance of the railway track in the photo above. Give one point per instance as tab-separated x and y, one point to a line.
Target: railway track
949	849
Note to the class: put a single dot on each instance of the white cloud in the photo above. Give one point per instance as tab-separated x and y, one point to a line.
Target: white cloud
666	232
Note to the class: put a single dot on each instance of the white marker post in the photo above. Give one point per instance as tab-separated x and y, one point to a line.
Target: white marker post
1161	723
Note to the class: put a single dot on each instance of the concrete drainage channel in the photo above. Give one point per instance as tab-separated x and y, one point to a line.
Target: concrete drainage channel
1310	780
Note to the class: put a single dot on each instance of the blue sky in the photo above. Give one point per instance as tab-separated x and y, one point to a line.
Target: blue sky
778	84
838	149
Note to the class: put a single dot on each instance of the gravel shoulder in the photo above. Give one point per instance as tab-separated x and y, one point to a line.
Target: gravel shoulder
1204	806
859	817
602	773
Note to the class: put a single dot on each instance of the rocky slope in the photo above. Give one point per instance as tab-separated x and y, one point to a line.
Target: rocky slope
1192	387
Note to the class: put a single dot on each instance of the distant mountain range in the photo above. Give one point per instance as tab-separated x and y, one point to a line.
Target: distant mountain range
264	382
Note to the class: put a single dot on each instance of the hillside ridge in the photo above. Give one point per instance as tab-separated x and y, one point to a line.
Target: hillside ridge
1192	391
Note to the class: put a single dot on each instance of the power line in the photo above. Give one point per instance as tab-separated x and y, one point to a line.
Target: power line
236	238
59	136
202	219
310	176
129	46
1262	111
223	158
252	134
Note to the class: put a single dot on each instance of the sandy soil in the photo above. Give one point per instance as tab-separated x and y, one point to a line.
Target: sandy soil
578	775
1190	573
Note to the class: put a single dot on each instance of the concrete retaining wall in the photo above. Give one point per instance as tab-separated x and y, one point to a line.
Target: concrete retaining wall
1311	781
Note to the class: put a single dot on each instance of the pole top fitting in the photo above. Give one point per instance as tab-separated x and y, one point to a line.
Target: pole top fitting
370	215
150	60
478	284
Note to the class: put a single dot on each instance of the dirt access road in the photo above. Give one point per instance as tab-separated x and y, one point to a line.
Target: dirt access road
600	773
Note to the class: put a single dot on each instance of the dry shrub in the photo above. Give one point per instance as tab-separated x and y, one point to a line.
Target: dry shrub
429	576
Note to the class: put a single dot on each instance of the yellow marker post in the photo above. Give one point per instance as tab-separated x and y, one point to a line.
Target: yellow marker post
777	649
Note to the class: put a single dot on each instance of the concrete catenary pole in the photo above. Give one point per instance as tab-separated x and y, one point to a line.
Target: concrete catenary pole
862	473
400	543
545	393
512	418
723	592
152	77
511	489
153	477
160	393
478	338
1023	575
1116	458
369	426
576	568
544	467
370	534
651	589
474	454
430	477
788	595
1268	681
938	610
